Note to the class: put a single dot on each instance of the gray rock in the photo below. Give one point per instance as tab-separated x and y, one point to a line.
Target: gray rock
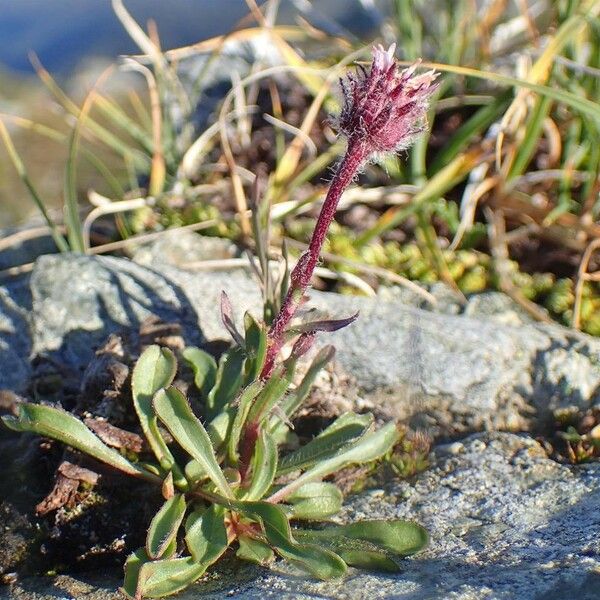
447	373
15	343
78	300
505	522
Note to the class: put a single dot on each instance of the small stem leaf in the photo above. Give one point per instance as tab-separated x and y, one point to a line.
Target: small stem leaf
254	551
174	411
293	401
60	425
370	544
164	526
268	398
316	501
206	535
264	466
319	562
228	383
328	325
204	367
154	370
241	413
370	447
228	322
342	432
256	347
165	577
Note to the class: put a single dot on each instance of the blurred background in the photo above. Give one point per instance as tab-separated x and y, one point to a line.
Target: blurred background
123	118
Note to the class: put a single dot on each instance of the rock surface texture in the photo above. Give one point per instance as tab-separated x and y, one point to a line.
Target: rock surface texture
447	373
505	521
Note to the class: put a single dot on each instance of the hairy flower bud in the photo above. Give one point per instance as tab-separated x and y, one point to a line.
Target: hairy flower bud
385	108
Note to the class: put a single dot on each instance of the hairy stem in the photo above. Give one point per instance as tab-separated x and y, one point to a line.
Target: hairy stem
301	275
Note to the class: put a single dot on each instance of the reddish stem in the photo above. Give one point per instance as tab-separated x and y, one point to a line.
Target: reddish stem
301	275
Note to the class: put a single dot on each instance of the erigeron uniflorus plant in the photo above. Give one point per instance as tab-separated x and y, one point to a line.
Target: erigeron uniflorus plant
229	487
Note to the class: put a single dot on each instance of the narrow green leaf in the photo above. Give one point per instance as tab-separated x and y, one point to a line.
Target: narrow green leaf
370	544
254	551
154	370
164	526
294	400
268	398
241	413
64	427
165	577
175	412
264	466
71	206
342	432
228	383
256	347
370	447
206	536
204	367
315	501
319	562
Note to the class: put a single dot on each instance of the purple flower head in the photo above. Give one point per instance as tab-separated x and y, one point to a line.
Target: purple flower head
385	108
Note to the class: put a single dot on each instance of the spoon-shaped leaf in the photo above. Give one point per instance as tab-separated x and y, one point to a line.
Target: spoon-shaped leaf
339	434
160	578
370	544
369	447
315	501
264	466
63	426
206	536
154	370
319	562
228	382
254	551
175	412
164	526
204	367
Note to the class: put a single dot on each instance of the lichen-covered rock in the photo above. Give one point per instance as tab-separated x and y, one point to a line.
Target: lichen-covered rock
505	522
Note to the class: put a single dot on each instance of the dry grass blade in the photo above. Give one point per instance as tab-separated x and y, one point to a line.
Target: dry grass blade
582	277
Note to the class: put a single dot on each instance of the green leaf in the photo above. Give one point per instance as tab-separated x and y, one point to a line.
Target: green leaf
256	347
239	420
174	411
254	551
370	447
60	425
268	398
293	401
319	562
219	427
154	370
165	577
206	536
264	466
204	367
315	501
228	382
370	544
164	526
133	564
342	432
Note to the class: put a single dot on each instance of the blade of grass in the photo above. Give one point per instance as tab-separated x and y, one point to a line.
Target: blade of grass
19	166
